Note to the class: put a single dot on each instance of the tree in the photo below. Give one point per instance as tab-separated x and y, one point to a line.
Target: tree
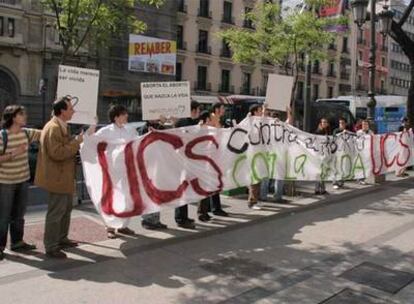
407	45
281	40
80	22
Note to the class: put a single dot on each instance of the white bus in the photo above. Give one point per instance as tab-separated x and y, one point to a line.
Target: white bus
389	110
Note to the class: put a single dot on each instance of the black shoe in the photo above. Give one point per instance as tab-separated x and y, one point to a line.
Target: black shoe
325	192
22	247
149	225
187	225
1	255
204	217
281	201
56	254
220	212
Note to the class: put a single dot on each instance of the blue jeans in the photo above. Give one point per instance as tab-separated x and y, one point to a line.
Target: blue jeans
13	200
278	186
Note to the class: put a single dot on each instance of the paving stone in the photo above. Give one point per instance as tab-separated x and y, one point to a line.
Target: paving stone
378	277
349	296
240	268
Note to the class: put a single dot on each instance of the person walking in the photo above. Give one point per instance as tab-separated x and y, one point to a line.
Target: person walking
55	172
14	176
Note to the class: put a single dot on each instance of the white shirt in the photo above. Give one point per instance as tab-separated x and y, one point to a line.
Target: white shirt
361	132
112	131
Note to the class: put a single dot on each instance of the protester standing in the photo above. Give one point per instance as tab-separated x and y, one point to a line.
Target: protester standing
55	172
14	176
255	110
405	127
181	213
365	130
323	129
343	127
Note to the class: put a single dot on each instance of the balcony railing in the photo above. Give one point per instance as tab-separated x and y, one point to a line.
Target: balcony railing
227	19
316	70
204	14
202	86
332	47
182	8
245	91
226	88
201	48
248	24
331	74
345	76
226	53
10	2
362	41
361	87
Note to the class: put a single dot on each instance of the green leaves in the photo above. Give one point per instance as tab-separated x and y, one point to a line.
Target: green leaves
94	21
276	39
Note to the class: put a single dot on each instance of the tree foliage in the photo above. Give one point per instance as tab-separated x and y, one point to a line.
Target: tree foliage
79	22
280	39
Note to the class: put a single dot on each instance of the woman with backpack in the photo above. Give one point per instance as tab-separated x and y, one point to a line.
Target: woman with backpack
14	174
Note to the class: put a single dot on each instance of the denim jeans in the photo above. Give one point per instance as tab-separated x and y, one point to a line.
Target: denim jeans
13	200
278	188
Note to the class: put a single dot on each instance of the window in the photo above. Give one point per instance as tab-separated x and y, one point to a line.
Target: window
178	71
204	7
203	41
225	81
180	34
315	91
265	80
1	26
247	22
10	27
330	92
331	69
202	78
227	11
316	67
225	50
345	45
246	83
181	6
360	55
359	84
383	61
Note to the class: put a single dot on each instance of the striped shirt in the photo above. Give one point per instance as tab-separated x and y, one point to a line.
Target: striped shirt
16	170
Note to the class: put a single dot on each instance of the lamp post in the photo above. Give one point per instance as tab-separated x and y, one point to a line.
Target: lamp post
359	11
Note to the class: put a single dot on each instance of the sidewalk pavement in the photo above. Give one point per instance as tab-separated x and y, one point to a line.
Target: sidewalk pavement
88	228
297	250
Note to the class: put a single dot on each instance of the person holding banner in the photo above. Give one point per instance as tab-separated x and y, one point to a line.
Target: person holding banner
55	172
14	174
365	130
254	190
343	127
323	129
181	213
405	127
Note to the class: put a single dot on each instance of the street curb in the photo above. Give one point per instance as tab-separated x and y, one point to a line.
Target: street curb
332	199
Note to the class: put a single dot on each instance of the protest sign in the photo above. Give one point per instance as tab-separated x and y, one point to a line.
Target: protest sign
83	85
169	99
178	166
279	92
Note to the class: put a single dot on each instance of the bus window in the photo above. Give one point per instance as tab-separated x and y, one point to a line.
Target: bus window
361	113
391	109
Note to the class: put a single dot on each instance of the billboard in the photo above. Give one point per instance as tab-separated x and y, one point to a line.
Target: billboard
151	55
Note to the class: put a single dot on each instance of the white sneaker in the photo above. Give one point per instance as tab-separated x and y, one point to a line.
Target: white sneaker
255	207
336	187
361	182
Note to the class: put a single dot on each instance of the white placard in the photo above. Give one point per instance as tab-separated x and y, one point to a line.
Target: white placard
84	85
169	99
279	91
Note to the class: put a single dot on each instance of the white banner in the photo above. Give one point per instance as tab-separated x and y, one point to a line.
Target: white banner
83	85
165	98
152	55
178	166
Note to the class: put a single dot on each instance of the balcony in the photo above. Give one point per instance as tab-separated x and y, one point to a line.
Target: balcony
331	74
345	76
345	50
204	49
225	52
226	88
202	86
316	70
204	14
11	2
344	89
245	91
362	41
227	19
361	87
181	45
332	47
382	92
346	61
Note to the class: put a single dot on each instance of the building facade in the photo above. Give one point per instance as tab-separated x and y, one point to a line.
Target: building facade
399	65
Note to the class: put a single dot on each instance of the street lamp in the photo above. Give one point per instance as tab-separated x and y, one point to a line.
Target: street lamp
359	11
44	81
